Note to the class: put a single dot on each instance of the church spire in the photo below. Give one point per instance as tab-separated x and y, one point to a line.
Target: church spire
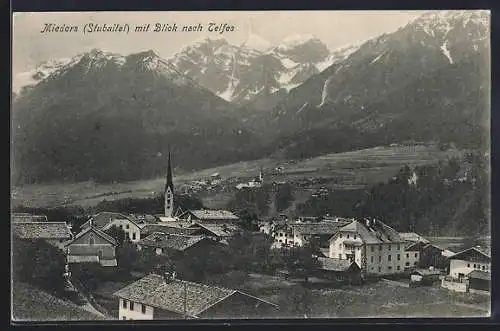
169	189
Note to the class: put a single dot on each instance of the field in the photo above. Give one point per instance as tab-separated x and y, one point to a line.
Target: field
376	300
348	170
32	304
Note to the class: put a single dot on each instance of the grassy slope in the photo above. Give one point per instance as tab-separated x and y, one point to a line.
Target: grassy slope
350	169
32	304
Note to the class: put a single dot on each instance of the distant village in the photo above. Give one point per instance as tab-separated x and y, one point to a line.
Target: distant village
347	250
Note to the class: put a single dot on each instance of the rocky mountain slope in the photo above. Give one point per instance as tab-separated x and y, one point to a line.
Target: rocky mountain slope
107	116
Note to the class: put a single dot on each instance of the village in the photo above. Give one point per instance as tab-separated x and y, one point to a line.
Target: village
177	261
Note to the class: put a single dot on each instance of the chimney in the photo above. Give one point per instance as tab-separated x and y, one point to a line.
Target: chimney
174	275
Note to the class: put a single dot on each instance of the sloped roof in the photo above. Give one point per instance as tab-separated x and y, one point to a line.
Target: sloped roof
479	274
167	229
25	217
469	251
220	230
171	241
152	290
330	264
412	236
415	246
208	214
375	233
326	228
41	230
100	233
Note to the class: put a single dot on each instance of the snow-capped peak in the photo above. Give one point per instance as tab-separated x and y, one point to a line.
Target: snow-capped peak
257	42
296	40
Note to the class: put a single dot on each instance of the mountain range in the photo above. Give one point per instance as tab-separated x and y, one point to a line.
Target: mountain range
111	117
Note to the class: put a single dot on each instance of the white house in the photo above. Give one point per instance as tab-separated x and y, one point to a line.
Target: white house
463	263
105	220
163	298
374	246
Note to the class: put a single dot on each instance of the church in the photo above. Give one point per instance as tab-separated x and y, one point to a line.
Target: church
168	215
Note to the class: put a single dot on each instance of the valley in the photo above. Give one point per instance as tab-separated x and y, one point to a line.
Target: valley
356	169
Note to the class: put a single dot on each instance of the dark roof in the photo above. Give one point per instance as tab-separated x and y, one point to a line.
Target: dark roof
326	228
24	217
330	264
167	229
154	291
479	274
415	246
171	241
468	252
41	230
100	233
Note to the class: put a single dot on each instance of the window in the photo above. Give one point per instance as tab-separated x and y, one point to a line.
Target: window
133	236
379	247
372	248
355	237
379	269
389	258
348	236
280	241
407	264
399	247
399	257
483	268
340	236
91	239
340	245
415	263
124	303
389	268
127	226
131	305
380	259
124	317
143	308
416	255
407	255
468	265
399	268
390	247
371	259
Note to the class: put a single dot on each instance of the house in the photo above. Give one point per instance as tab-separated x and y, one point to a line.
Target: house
340	270
55	233
462	264
178	246
479	282
209	216
374	246
105	220
413	251
215	179
92	245
254	182
156	297
412	237
25	217
424	276
319	232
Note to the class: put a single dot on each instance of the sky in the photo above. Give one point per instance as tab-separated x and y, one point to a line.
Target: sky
334	28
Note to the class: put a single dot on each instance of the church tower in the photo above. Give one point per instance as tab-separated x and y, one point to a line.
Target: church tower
169	191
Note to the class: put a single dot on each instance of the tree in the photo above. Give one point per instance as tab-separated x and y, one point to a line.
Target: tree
127	256
39	263
118	234
284	197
